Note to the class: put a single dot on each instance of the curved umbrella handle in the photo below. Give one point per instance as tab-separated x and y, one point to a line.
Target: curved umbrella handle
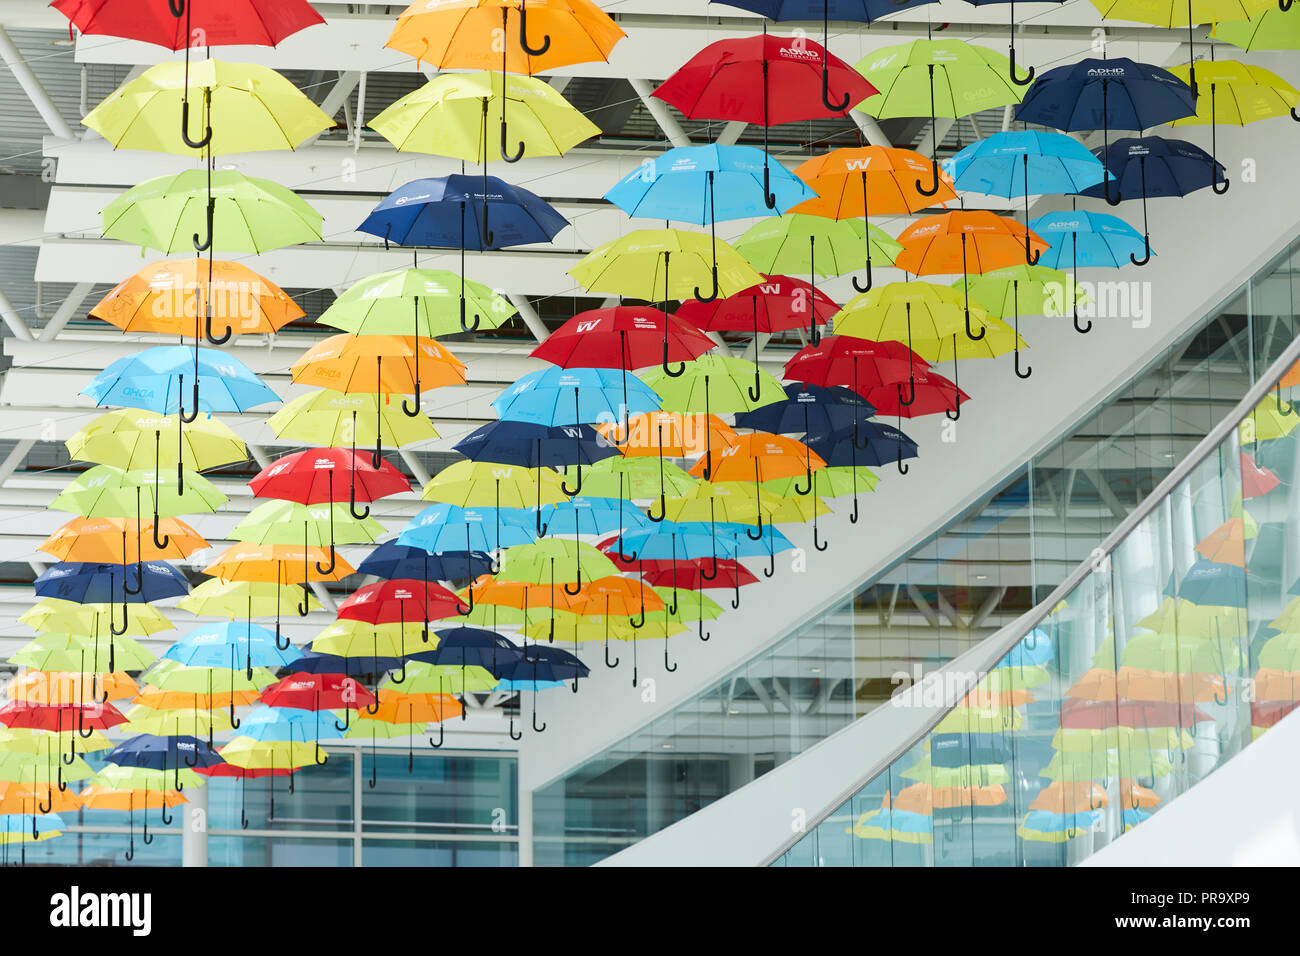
177	8
607	660
564	485
145	834
187	418
159	543
206	244
1077	326
409	410
759	527
1029	77
954	414
1225	184
902	468
839	107
163	815
1147	257
139	579
1022	374
663	512
1031	256
769	197
853	515
513	735
911	385
971	335
477	318
207	326
818	543
333	559
364	513
523	35
195	761
681	369
1106	193
442	736
112	625
804	492
519	153
191	143
713	294
304	606
318	755
537	729
771	564
1284	5
934	186
867	287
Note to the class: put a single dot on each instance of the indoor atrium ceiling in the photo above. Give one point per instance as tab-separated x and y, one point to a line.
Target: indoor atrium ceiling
56	176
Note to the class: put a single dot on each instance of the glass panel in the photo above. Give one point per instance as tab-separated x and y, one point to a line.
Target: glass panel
957	587
472	794
278	851
439	853
321	799
1164	662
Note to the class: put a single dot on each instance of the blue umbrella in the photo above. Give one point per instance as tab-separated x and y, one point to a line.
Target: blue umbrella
540	668
393	561
529	445
1011	46
211	644
97	583
599	395
872	444
592	516
856	11
1209	582
313	662
1094	239
433	212
440	527
154	380
705	184
1020	162
809	408
1154	166
160	753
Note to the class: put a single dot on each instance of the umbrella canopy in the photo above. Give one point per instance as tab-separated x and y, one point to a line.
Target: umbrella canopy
308	477
392	560
572	396
809	408
623	337
1273	29
223	22
331	417
443	527
531	445
667	434
97	583
279	563
657	265
130	438
416	302
154	379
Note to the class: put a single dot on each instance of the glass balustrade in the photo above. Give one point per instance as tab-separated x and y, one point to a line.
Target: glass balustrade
983	570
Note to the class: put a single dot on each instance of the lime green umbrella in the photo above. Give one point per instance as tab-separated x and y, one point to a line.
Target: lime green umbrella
498	616
422	677
485	484
422	302
246	107
89	654
1025	290
933	78
658	265
798	242
319	525
1274	29
49	766
193	722
1127	739
28	740
631	478
172	675
361	639
1281	652
146	778
236	213
1182	655
243	599
548	560
108	492
971	775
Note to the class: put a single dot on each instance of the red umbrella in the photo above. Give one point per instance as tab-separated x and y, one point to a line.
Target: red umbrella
59	717
774	305
401	601
932	394
624	337
1256	480
765	80
317	692
859	364
307	477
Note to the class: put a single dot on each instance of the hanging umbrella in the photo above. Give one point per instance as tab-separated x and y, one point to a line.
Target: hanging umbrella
355	363
702	184
470	35
320	525
210	645
307	477
169	24
624	337
1239	94
1152	166
392	560
790	243
246	600
442	527
639	477
857	181
809	408
66	617
955	78
760	457
475	484
1270	30
857	363
871	444
763	80
130	438
1092	238
335	418
450	116
541	667
424	302
530	445
1024	290
122	540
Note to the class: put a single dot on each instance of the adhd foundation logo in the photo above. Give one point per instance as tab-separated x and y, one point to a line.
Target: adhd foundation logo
75	909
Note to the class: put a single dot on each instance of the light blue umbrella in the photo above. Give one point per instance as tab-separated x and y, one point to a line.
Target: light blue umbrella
593	516
280	724
1081	238
155	380
1026	161
444	527
575	396
211	646
708	184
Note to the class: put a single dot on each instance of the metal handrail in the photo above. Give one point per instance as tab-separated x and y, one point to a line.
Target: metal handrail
1017	630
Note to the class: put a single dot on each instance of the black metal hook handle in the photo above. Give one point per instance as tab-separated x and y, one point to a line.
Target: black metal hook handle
656	518
607	660
564	485
163	815
1146	258
157	542
856	285
523	35
853	515
902	468
206	244
1028	370
1294	115
207	325
757	527
112	625
1225	184
139	579
442	736
519	153
1106	193
1031	256
971	335
1284	5
187	418
911	397
513	735
321	758
347	721
177	8
477	318
1029	77
333	560
537	729
826	94
304	606
364	513
818	543
713	294
1082	328
803	492
576	591
145	834
934	187
681	370
769	197
185	135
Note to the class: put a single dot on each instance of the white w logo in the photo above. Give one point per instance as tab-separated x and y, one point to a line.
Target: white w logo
853	164
588	326
502	472
773	289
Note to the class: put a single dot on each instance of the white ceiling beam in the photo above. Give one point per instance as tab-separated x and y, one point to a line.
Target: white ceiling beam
17	324
33	88
15	458
658	109
66	310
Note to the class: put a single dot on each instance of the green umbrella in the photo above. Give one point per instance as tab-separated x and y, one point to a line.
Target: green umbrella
550	560
1013	291
798	242
936	78
422	677
1274	29
173	675
19	766
1182	655
237	213
434	300
119	777
82	653
638	477
319	525
108	492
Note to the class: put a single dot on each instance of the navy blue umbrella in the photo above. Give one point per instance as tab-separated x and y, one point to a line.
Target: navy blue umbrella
809	409
163	753
314	662
97	583
1105	95
1154	166
871	443
1011	46
393	561
542	664
857	11
454	211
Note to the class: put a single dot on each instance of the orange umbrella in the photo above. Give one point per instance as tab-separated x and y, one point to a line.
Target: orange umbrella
670	434
858	181
1226	544
16	797
279	563
762	456
1273	684
378	363
157	699
165	297
99	797
985	697
1137	684
1133	794
122	540
519	594
1291	378
923	798
1071	796
71	687
618	597
395	708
